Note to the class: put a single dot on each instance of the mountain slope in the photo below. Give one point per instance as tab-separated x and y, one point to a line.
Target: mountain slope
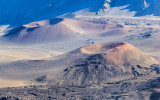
142	7
118	57
21	12
91	77
119	53
26	11
62	29
109	62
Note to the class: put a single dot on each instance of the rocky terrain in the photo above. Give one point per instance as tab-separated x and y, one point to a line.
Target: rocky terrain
68	50
105	74
121	90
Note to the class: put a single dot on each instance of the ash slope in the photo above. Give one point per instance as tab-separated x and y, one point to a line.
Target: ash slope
100	76
62	29
116	57
109	62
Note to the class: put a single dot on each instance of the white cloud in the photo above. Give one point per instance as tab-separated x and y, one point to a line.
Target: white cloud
3	28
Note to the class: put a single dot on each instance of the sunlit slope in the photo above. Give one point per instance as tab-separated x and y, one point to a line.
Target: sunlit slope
108	62
62	29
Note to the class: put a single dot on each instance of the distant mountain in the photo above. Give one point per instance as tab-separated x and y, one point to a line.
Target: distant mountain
18	12
62	29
